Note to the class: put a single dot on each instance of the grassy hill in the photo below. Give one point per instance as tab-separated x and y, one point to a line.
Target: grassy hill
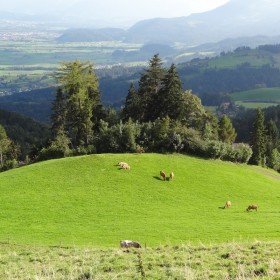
89	201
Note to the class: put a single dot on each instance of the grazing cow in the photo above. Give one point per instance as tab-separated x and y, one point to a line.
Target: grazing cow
162	174
228	204
171	177
252	207
129	244
122	163
126	166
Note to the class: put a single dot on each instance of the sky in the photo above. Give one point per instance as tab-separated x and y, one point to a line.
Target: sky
115	10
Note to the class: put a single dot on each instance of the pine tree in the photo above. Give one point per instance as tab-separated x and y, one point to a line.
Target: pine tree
258	140
149	85
168	100
272	143
82	99
58	114
226	130
132	105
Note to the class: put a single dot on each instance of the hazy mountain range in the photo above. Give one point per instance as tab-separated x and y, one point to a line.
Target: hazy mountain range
236	18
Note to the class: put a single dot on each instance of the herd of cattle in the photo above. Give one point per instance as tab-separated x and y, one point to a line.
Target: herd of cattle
135	244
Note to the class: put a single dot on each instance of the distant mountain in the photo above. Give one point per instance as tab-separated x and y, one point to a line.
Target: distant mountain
237	18
92	35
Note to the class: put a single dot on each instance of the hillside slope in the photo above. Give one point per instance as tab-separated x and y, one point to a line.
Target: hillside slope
90	201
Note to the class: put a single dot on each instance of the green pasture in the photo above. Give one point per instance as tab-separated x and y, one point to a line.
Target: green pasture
254	105
243	261
254	58
261	97
260	94
89	201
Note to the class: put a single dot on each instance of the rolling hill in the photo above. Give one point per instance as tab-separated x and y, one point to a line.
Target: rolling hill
89	201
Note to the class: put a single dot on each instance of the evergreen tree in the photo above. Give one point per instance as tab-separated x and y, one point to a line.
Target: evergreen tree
132	105
226	130
258	140
82	99
58	114
149	85
272	143
169	98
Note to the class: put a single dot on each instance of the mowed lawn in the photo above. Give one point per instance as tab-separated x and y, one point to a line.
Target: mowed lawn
89	201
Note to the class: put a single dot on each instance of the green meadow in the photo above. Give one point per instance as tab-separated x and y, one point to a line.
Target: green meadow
243	261
261	97
89	201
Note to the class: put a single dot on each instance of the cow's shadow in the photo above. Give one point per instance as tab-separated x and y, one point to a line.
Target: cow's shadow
221	207
157	178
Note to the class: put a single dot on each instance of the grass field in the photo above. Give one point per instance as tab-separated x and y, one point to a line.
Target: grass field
254	105
256	260
255	58
258	95
88	201
261	97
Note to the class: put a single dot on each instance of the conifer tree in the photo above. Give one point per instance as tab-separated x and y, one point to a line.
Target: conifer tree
82	98
168	100
132	105
226	130
272	143
258	140
58	114
149	85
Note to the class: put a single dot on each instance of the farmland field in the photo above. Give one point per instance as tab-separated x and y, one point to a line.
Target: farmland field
262	97
26	65
89	201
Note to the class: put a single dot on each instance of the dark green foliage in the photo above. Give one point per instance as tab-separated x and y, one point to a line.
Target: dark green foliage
193	113
132	106
150	83
169	97
258	140
9	151
24	131
58	116
82	101
226	130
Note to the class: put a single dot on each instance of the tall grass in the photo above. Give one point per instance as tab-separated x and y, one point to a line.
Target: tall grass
256	260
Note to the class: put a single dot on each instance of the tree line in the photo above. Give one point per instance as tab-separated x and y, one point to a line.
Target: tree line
158	116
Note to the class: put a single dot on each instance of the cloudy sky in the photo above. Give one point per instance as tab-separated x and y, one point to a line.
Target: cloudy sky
130	10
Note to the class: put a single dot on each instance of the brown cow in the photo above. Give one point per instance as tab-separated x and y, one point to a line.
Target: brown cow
171	177
130	243
162	174
228	204
252	207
